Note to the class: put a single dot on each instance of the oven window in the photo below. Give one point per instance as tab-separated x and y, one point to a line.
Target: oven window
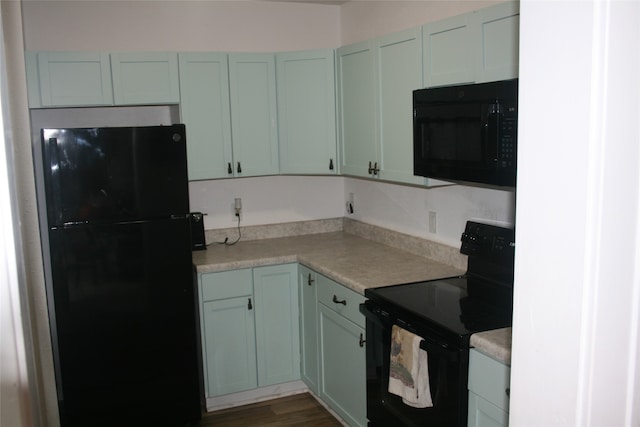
447	376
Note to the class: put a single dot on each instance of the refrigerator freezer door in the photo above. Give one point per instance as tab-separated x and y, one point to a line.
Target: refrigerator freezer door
122	301
114	174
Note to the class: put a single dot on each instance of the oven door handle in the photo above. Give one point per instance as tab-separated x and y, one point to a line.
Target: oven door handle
443	349
381	318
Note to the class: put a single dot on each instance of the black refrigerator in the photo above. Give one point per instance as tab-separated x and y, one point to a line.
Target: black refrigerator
120	289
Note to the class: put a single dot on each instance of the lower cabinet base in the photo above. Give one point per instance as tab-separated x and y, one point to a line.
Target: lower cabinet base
255	395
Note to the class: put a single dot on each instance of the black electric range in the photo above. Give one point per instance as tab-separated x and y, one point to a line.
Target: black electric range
445	313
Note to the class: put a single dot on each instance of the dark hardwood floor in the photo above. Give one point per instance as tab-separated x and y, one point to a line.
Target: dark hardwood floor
296	410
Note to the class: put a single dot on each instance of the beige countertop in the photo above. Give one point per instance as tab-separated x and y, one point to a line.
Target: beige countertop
496	343
353	261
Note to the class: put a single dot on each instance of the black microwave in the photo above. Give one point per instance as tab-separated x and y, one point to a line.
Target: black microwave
467	133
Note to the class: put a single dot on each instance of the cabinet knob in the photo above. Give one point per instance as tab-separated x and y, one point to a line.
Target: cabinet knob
249	305
508	392
330	164
310	280
229	168
375	169
239	169
362	340
337	301
370	170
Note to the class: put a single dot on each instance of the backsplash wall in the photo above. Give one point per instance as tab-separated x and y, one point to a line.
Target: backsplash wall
281	199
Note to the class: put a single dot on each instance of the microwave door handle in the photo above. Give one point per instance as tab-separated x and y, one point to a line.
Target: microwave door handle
490	133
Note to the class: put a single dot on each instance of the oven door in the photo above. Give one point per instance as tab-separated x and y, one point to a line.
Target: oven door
448	373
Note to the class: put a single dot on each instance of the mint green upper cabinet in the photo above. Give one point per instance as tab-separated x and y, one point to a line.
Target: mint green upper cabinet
357	107
309	366
277	326
60	79
228	332
205	111
499	28
399	73
145	78
306	112
252	81
449	51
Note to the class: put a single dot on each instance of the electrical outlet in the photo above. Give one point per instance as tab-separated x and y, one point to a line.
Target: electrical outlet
433	222
237	206
350	204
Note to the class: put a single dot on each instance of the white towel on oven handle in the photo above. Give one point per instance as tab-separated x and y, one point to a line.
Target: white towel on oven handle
418	393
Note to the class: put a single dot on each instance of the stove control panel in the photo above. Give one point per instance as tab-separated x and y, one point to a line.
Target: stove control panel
486	240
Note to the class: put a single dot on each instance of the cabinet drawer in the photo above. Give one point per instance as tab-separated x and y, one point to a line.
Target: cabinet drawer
489	379
226	284
340	299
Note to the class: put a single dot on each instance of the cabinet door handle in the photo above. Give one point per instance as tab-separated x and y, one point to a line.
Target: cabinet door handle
249	305
370	170
239	169
362	340
229	168
375	169
330	164
508	392
310	280
337	301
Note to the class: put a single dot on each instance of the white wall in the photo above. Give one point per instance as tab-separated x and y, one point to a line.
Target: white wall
175	25
577	286
267	200
362	20
406	209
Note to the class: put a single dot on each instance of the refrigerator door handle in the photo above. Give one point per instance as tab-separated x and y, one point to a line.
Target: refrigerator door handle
54	170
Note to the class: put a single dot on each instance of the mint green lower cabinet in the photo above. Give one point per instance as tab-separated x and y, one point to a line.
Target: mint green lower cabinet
309	363
229	343
343	371
488	391
342	351
277	328
249	328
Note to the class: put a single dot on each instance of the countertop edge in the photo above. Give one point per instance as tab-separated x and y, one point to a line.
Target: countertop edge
495	344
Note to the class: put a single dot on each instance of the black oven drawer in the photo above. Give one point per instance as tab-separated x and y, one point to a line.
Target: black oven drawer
448	372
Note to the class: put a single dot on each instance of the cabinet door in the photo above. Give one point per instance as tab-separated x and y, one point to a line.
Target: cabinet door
399	73
204	109
450	48
277	324
343	378
59	79
145	78
229	344
357	101
499	28
252	84
309	365
485	414
306	112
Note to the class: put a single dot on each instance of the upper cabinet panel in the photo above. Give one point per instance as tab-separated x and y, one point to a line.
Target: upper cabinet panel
252	86
60	79
145	78
357	105
499	28
307	112
399	73
449	51
204	109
